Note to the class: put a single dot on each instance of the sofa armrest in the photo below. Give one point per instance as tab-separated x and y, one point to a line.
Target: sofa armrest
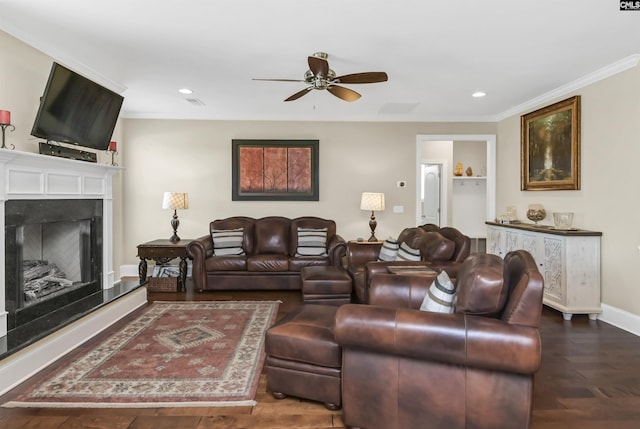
199	250
456	339
359	254
399	291
336	249
376	268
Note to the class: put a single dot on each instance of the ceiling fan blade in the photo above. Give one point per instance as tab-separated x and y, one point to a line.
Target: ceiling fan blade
281	80
344	93
367	77
319	66
299	94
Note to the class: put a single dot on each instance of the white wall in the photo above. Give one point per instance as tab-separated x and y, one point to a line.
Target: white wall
608	199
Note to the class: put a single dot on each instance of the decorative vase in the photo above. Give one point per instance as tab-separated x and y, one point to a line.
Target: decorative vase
536	213
469	171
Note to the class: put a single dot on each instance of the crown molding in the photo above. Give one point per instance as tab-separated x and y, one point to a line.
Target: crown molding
591	78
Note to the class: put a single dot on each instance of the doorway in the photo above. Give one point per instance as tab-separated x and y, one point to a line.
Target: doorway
446	182
431	184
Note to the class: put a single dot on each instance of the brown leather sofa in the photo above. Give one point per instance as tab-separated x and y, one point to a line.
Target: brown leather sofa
270	262
405	369
440	248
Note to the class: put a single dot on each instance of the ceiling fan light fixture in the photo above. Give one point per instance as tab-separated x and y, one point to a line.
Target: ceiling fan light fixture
320	76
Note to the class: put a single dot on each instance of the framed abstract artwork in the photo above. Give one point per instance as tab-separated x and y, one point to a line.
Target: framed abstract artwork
550	147
275	170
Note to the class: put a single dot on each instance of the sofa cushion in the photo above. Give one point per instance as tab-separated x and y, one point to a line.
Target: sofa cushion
297	264
227	242
311	242
412	237
439	297
436	247
268	263
481	287
389	250
406	253
271	236
226	263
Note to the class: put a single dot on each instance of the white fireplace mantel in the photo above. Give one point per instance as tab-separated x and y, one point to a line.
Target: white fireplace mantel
32	176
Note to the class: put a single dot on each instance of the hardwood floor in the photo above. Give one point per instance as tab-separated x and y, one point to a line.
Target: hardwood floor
590	378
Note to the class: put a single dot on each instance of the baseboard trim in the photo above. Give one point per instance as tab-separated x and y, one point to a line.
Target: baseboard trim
621	319
20	366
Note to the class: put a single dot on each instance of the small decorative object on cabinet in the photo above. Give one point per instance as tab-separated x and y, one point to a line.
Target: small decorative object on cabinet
458	169
469	171
569	261
536	213
563	220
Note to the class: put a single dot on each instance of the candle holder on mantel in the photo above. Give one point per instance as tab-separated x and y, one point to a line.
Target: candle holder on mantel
5	122
113	151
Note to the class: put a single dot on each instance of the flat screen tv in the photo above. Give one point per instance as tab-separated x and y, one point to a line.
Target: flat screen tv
76	110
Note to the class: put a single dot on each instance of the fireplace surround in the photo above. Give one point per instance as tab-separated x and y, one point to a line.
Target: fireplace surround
44	197
52	256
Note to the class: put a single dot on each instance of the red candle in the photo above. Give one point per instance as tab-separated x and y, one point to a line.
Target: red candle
112	146
5	117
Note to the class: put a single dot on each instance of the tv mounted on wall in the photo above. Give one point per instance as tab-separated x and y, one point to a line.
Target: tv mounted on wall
76	110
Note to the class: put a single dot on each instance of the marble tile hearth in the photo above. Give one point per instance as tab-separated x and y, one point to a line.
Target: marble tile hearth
57	318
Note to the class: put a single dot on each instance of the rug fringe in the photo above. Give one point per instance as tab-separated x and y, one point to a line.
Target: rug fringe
18	404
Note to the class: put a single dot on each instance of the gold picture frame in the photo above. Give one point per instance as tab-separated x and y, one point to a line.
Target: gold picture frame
550	147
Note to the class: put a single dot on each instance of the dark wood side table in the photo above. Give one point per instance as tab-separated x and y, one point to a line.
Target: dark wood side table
162	251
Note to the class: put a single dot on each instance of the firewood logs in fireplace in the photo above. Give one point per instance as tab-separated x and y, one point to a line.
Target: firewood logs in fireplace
42	278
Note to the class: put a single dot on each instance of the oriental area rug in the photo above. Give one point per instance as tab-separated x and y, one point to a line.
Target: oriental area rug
202	354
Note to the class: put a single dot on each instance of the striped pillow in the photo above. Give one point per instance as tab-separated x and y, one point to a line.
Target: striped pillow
227	242
389	250
440	296
312	242
406	253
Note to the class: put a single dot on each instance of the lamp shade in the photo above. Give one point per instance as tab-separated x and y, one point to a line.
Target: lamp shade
373	201
175	200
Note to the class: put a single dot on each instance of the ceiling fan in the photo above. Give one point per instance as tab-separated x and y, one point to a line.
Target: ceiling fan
320	76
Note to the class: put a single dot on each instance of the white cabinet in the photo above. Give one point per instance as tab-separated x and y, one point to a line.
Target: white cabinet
568	260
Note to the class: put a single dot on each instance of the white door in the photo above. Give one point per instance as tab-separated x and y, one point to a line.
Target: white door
431	194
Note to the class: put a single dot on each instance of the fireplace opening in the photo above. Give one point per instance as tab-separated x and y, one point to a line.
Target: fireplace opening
53	256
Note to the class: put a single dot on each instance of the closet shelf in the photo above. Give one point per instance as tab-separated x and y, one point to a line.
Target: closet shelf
469	177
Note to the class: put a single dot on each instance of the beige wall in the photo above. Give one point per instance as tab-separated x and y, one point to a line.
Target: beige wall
608	200
23	76
195	157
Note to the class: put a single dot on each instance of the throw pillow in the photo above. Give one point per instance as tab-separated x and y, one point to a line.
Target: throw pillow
406	253
227	242
312	242
389	250
439	297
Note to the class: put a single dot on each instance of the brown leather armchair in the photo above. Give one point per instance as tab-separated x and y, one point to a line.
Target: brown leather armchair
404	368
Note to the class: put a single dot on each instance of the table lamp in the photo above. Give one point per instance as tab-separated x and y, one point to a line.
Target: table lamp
175	201
373	201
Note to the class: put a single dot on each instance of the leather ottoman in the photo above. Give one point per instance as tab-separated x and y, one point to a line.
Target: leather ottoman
326	285
303	359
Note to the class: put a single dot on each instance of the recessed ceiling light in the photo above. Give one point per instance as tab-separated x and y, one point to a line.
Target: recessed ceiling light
478	94
185	91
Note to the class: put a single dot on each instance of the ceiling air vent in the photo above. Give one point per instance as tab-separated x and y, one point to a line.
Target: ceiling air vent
195	101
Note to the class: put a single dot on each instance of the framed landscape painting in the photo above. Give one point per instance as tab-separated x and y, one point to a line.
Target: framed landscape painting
275	170
550	147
